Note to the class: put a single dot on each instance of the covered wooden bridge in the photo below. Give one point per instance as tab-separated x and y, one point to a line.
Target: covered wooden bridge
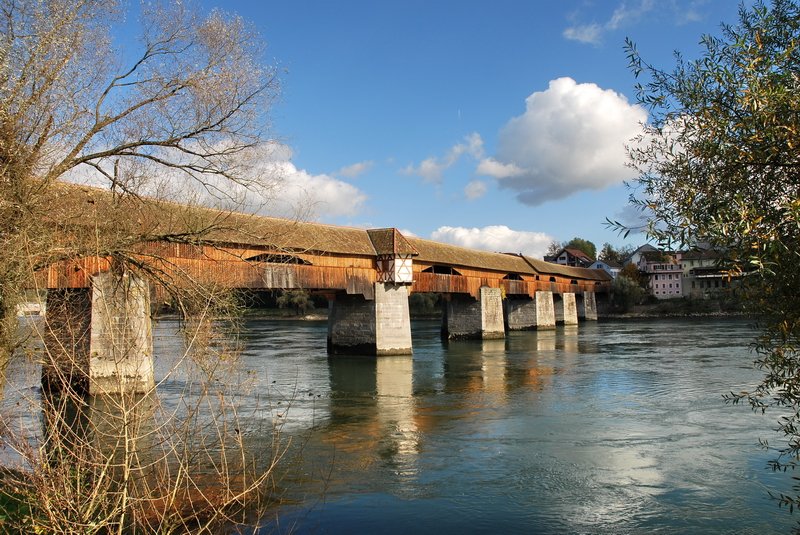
366	274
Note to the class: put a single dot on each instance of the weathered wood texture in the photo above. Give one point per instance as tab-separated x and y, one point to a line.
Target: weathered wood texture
470	281
257	267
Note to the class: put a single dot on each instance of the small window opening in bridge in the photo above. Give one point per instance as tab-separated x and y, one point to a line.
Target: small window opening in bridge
573	281
513	277
273	258
441	270
552	279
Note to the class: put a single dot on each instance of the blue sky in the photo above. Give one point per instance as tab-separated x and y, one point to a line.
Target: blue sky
498	125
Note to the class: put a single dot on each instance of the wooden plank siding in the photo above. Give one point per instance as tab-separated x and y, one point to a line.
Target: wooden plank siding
471	280
251	251
228	266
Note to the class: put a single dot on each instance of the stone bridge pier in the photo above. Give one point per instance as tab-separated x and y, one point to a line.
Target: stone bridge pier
525	313
566	309
98	340
465	317
587	306
378	326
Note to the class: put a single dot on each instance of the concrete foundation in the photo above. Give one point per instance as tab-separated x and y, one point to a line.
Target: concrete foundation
381	326
566	309
527	314
545	311
587	307
464	317
99	340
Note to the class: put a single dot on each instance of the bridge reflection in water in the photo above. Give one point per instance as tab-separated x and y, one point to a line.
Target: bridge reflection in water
593	429
605	427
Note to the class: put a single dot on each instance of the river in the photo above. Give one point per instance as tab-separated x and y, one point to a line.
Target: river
610	427
613	427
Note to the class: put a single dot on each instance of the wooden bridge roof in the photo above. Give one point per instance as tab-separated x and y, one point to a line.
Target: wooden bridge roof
151	218
453	255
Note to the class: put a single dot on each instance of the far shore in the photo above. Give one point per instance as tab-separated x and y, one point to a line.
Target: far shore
653	311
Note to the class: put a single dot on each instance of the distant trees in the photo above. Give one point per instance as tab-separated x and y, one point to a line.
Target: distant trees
553	248
298	301
719	162
589	248
608	253
626	291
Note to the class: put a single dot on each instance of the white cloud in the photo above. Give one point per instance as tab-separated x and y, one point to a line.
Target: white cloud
319	195
496	238
571	137
475	190
431	169
585	33
493	168
356	169
270	185
625	14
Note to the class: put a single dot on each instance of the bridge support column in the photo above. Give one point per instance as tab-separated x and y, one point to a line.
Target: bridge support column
98	339
566	309
371	327
545	310
587	307
527	313
464	317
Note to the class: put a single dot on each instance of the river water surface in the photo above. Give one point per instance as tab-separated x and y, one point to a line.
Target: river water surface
612	427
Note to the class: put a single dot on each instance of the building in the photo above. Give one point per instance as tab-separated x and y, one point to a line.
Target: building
664	272
569	256
703	275
612	268
636	256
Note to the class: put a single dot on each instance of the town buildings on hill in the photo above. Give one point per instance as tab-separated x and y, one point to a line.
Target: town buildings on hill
696	273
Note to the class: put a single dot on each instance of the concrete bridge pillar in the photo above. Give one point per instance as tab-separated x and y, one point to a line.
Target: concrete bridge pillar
566	310
587	307
381	326
526	313
545	310
465	317
98	340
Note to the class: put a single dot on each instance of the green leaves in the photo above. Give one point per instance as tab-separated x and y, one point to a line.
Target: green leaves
720	162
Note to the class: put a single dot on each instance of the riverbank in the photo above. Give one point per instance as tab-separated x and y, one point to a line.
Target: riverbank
672	308
681	308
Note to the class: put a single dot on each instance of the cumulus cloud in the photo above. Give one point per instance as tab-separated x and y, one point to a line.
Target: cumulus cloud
355	170
319	195
493	168
496	238
475	190
270	184
431	169
571	137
